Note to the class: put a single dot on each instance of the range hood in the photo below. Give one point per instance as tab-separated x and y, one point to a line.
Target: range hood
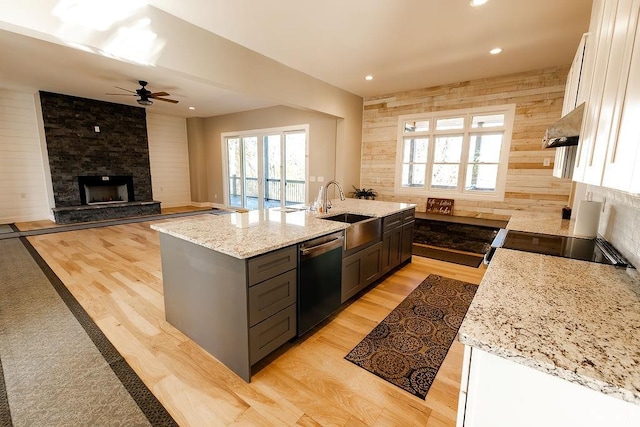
565	131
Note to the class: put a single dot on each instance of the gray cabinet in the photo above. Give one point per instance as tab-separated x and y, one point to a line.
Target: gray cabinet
391	248
397	239
238	310
272	301
272	295
407	241
364	267
270	334
271	264
360	270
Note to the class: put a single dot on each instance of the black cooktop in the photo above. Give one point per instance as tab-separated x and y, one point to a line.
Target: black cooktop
594	250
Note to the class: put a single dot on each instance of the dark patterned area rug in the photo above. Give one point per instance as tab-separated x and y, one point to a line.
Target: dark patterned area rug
409	345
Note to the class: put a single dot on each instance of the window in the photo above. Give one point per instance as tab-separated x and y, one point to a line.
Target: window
459	154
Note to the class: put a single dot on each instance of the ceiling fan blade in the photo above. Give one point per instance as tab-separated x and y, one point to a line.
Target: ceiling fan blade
127	90
121	94
173	101
159	94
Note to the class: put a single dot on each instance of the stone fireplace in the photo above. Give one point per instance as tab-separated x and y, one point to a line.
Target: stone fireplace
99	159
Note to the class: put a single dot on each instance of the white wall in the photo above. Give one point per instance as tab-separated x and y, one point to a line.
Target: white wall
169	158
619	220
23	194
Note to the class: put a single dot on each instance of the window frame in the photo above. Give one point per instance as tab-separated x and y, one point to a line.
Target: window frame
261	134
467	131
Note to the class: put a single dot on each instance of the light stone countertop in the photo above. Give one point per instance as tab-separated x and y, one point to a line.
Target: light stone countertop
269	230
577	320
545	223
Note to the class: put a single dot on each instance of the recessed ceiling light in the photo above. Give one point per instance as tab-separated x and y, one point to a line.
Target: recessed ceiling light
192	108
476	3
495	51
369	77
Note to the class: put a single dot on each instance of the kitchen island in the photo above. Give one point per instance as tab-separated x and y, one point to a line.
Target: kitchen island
551	341
230	283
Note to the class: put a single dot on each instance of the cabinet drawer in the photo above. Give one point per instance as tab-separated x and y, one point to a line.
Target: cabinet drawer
391	221
266	266
270	334
408	216
271	296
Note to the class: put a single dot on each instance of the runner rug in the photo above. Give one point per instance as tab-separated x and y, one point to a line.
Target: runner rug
57	367
409	345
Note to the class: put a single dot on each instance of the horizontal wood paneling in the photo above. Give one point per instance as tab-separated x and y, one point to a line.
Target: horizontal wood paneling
23	195
169	158
538	96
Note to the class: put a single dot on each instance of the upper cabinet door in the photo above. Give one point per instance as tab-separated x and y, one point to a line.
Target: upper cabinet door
574	94
621	170
602	96
611	67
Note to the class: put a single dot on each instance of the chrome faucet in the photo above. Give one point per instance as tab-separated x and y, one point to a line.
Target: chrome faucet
326	205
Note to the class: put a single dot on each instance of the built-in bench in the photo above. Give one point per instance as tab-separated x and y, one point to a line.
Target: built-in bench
463	220
459	233
101	212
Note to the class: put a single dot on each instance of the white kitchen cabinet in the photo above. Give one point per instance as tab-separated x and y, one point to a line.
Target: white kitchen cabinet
574	95
610	55
622	165
588	168
498	392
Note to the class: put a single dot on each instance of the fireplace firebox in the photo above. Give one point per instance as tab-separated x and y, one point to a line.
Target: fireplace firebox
105	189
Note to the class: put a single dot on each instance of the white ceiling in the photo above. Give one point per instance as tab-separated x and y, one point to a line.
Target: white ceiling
405	44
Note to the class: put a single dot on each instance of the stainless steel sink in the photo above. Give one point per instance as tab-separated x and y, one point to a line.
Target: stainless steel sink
363	230
350	218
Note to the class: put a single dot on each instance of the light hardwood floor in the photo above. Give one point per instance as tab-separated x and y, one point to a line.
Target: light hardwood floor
45	223
115	274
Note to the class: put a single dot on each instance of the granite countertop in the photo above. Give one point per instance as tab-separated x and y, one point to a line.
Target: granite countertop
574	319
269	230
545	223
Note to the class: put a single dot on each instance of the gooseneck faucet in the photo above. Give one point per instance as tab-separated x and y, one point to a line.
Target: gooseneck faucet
326	205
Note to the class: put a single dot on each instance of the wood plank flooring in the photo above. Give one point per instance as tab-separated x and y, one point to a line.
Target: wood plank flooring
45	223
115	274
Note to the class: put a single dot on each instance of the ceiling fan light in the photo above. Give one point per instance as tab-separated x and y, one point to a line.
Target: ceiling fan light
145	102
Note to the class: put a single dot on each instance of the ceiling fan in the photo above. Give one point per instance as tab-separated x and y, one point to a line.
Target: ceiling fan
146	97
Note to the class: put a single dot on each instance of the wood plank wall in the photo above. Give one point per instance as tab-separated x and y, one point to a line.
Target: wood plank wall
538	96
169	160
23	195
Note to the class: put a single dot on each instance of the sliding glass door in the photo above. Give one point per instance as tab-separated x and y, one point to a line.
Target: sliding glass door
263	171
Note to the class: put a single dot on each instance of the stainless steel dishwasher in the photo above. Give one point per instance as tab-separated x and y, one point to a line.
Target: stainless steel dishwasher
319	279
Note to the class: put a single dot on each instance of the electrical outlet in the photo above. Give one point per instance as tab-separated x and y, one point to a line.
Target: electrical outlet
321	179
546	162
312	179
